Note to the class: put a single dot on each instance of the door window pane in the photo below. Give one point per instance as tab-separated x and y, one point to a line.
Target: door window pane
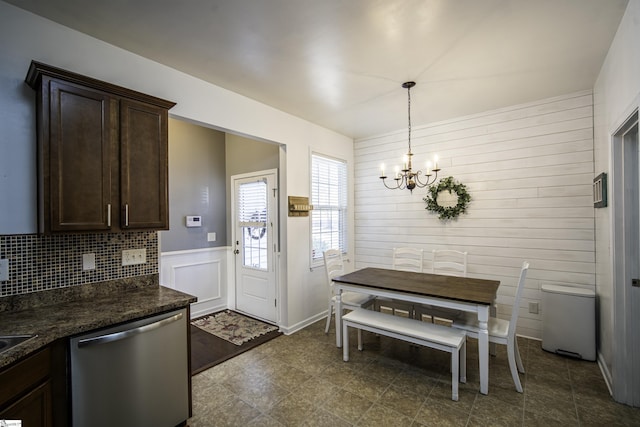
252	218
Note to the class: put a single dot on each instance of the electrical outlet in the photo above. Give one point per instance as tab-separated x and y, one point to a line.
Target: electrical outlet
211	237
134	256
4	270
533	308
88	262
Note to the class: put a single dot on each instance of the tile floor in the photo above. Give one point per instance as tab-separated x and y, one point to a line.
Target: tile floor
301	380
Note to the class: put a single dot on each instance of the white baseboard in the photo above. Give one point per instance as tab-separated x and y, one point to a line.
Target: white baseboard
605	373
288	330
208	310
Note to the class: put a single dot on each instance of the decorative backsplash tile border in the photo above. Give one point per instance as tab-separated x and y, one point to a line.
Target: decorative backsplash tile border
42	262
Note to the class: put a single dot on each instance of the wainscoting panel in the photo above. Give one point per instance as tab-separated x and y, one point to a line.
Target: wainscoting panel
199	272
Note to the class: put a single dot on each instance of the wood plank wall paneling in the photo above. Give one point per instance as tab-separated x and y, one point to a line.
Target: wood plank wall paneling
529	170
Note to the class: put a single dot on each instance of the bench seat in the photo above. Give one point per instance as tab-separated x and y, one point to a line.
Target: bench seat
414	331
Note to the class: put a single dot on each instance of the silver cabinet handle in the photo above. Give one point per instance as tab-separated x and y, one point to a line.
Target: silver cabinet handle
117	336
126	215
109	215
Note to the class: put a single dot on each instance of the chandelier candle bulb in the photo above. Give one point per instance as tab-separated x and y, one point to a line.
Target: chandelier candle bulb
382	169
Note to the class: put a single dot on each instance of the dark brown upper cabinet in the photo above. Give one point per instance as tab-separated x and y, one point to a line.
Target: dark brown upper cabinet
102	154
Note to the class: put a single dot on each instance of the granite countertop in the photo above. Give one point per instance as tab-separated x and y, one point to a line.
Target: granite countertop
65	312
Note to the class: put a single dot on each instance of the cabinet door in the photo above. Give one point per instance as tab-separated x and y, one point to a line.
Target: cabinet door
34	409
25	390
80	158
143	166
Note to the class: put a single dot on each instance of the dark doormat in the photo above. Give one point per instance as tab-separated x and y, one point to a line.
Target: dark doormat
207	350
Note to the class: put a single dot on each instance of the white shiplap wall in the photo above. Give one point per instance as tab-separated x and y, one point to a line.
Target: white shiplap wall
529	170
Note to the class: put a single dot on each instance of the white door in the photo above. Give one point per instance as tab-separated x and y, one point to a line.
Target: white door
627	263
254	232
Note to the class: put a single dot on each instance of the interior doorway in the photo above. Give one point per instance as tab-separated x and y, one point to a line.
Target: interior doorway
254	231
626	262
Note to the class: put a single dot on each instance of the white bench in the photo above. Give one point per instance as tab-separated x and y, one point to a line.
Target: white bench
414	331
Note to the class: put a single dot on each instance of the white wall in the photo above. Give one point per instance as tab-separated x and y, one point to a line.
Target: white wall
616	94
529	170
24	36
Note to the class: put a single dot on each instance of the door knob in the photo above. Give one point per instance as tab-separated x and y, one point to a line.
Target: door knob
237	251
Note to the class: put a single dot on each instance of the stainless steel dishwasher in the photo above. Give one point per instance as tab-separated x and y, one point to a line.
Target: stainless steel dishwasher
135	374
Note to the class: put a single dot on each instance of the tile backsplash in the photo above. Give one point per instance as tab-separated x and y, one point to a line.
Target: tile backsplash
42	262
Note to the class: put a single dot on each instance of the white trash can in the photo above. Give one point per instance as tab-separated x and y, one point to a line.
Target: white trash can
569	321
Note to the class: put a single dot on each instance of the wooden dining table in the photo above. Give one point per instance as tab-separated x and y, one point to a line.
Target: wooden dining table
460	293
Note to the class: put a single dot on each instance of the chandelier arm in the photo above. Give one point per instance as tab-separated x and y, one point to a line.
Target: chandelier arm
398	185
419	183
428	181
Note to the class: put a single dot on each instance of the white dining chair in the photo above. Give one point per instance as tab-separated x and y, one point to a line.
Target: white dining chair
334	265
501	331
451	263
405	259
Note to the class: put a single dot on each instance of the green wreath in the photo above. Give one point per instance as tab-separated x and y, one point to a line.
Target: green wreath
452	186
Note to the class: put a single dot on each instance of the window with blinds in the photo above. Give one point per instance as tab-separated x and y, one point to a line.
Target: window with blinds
329	200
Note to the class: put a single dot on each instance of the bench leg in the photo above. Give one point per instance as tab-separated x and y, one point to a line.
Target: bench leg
359	339
345	341
463	362
455	362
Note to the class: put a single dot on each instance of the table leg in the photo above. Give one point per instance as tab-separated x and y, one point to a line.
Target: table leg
483	348
493	312
338	310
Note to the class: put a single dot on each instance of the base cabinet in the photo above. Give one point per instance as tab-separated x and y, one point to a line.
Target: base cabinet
35	389
26	392
33	409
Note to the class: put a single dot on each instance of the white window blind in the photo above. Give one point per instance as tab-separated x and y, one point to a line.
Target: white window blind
252	203
329	200
252	218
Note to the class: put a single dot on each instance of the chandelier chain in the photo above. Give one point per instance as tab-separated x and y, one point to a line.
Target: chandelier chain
409	114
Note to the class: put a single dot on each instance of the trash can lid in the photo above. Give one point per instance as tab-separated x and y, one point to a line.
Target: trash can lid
568	290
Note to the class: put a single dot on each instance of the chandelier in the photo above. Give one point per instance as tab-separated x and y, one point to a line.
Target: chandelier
407	177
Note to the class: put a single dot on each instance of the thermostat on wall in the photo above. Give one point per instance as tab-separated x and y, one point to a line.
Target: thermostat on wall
194	220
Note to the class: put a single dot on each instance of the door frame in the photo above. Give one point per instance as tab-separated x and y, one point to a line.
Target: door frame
232	291
623	387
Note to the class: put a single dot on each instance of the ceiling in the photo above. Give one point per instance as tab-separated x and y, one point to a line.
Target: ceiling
341	63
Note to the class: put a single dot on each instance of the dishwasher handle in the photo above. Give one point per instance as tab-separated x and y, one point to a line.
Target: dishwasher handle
117	336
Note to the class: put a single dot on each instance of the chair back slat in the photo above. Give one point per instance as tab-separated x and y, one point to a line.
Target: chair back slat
407	259
449	262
